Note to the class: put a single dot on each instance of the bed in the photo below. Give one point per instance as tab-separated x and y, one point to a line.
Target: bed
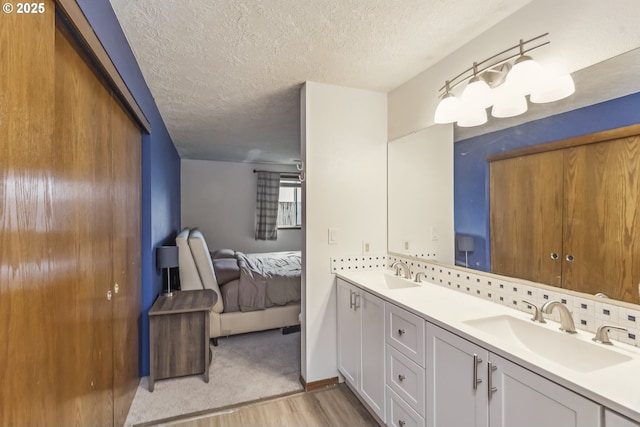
255	292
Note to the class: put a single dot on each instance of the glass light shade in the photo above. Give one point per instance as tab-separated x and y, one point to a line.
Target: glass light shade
508	103
477	93
524	76
448	110
472	116
553	89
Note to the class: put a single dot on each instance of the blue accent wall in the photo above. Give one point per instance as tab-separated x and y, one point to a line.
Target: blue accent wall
160	163
471	170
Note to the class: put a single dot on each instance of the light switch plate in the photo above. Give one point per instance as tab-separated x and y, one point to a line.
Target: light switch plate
333	236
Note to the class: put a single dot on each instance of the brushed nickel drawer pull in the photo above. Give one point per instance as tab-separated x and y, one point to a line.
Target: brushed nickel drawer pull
401	377
490	369
476	362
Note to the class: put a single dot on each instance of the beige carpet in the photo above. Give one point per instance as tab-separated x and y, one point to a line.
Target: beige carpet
244	368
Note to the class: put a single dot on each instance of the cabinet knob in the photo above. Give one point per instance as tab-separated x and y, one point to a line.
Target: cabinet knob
401	332
116	288
569	258
401	423
401	377
109	295
554	255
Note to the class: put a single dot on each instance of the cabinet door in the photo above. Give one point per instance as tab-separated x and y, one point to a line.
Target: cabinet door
371	309
348	333
526	217
452	397
602	219
524	399
611	419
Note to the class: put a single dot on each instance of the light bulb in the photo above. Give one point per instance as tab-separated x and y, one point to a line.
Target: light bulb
553	89
448	109
477	93
471	115
508	103
524	76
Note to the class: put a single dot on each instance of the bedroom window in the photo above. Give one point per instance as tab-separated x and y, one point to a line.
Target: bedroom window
290	202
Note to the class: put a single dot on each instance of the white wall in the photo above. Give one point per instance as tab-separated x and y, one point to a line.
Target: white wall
582	33
220	199
344	147
420	199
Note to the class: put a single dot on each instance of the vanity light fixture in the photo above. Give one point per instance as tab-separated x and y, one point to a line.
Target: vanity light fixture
502	83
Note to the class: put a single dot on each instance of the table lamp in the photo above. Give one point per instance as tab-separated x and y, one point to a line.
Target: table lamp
465	244
167	257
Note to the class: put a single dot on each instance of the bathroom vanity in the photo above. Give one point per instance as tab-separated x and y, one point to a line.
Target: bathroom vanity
419	354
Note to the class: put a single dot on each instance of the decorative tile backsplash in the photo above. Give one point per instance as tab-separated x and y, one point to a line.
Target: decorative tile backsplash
358	262
588	314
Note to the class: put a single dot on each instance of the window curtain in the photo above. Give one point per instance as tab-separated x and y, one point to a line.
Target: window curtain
267	205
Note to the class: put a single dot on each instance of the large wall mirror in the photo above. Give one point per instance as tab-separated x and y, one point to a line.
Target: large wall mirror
605	99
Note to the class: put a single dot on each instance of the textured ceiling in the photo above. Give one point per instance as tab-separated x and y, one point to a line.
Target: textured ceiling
226	74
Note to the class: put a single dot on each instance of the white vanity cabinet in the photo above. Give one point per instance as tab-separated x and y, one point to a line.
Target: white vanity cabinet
360	317
467	385
612	419
405	370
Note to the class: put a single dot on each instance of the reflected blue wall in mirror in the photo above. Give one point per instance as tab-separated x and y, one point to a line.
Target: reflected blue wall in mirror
471	170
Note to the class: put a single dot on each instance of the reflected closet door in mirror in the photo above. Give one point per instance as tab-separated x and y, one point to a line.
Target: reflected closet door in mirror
526	217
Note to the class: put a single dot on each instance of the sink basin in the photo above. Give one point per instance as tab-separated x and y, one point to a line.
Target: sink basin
559	347
395	282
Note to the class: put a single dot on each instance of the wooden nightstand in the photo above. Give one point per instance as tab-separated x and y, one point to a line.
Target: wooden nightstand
179	335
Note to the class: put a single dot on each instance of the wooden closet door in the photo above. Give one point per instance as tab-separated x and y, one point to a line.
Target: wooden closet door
33	257
602	218
84	318
126	197
526	216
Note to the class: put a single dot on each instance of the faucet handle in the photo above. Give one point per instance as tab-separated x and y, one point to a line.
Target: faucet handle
602	334
418	275
537	315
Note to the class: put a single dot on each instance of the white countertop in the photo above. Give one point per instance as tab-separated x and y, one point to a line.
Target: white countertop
616	387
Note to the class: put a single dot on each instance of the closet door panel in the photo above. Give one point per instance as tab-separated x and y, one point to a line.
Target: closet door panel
526	216
602	214
83	121
33	260
126	196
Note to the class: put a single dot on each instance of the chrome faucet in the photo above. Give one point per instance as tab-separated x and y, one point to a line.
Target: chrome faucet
566	320
418	275
405	268
537	315
602	334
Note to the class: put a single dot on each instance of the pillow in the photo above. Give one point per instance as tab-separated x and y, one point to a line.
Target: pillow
201	256
223	253
226	270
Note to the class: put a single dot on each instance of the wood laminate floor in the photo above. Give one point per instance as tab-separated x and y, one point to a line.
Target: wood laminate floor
333	406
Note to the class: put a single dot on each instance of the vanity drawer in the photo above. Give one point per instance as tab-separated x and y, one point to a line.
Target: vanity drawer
406	378
399	414
405	332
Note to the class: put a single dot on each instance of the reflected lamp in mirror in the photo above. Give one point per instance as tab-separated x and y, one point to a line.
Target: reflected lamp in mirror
465	244
497	84
167	257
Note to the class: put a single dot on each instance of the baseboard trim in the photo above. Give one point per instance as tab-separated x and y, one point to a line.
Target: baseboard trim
315	385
